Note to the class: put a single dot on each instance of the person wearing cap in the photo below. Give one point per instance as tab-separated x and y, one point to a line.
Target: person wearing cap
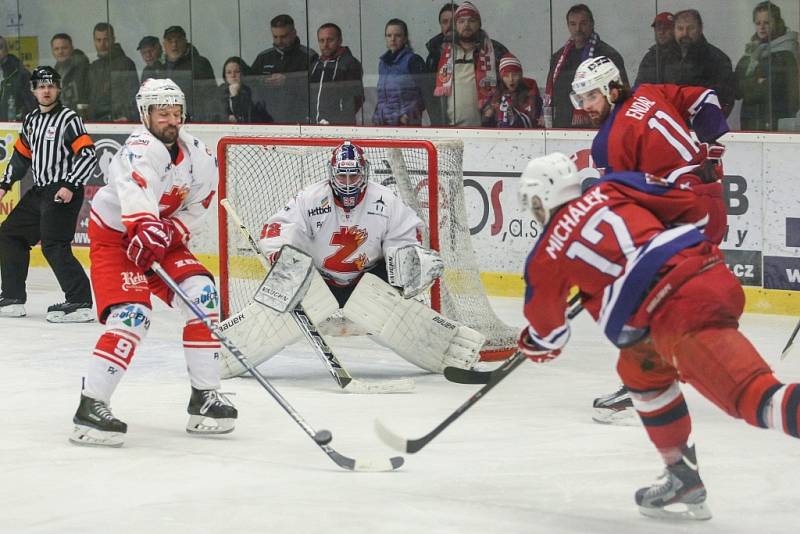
15	96
191	72
700	63
284	73
767	73
150	49
113	80
516	102
400	72
468	74
73	67
583	43
665	50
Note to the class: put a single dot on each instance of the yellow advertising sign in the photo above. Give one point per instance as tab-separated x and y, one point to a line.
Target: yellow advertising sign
10	199
26	48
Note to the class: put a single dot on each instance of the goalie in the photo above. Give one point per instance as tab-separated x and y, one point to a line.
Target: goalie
364	243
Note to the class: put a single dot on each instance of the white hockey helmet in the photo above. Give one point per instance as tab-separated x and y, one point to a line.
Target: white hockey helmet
162	92
548	182
349	173
594	73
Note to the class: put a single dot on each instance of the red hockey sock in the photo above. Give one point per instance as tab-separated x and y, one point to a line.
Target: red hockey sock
666	419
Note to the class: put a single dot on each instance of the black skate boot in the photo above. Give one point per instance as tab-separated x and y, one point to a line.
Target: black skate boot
12	307
96	425
70	312
615	409
210	412
679	493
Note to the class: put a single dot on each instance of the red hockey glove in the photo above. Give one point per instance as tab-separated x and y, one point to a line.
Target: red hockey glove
534	352
711	167
148	242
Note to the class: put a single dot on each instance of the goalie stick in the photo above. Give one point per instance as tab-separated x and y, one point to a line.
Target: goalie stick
342	377
322	437
411	446
472	376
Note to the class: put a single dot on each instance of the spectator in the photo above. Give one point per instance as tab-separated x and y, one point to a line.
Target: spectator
285	69
467	75
700	63
235	99
583	44
767	73
16	98
190	71
434	45
337	89
151	51
516	102
664	51
113	81
73	67
400	71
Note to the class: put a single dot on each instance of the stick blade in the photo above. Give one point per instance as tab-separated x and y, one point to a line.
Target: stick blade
390	438
364	464
402	385
467	376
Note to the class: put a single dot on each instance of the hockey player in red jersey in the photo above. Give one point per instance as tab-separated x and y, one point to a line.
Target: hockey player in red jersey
364	242
663	295
647	129
159	187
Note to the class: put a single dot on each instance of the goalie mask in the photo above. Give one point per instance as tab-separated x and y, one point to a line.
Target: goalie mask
547	183
594	73
348	174
160	93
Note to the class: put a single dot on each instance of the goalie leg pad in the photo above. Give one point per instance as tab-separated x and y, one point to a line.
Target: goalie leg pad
410	328
260	332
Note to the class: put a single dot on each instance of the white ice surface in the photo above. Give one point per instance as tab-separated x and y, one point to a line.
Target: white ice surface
526	458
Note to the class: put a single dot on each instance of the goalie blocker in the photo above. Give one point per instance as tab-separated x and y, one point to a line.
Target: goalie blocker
408	327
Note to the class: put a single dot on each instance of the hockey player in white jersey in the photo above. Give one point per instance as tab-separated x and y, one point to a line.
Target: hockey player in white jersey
160	186
365	245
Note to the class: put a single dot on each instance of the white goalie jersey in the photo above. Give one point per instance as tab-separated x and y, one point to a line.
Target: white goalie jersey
343	244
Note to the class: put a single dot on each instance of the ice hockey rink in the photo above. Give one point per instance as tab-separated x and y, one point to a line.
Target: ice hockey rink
527	458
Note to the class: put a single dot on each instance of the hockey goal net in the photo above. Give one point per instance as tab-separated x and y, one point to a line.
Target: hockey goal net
259	175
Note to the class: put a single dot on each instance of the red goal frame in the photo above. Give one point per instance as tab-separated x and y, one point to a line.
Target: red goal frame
432	184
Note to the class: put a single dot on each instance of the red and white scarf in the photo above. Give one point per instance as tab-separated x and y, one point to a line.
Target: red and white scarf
485	70
579	117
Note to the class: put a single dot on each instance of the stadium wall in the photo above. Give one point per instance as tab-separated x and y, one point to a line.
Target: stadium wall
762	244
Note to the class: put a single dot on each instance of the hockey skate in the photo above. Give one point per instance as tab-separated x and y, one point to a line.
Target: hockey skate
12	307
679	493
615	409
210	412
70	312
96	425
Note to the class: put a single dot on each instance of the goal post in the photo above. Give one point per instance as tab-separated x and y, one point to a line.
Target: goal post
259	175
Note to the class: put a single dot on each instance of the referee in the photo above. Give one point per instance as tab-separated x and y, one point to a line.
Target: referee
54	144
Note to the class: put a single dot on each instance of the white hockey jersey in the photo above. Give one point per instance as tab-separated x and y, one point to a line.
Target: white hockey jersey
342	243
143	183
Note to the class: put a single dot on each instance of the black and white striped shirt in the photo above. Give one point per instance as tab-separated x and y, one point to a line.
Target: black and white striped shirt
55	146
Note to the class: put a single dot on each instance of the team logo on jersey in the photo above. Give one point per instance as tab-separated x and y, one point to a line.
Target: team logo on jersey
172	199
133	281
132	316
50	133
378	208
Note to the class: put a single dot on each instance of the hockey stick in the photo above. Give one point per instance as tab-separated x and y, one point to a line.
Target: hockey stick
411	446
790	343
471	376
323	437
321	348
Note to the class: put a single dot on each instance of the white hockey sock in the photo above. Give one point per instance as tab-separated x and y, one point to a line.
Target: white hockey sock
200	347
126	326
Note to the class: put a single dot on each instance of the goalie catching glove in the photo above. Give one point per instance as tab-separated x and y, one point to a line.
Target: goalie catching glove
413	268
534	352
